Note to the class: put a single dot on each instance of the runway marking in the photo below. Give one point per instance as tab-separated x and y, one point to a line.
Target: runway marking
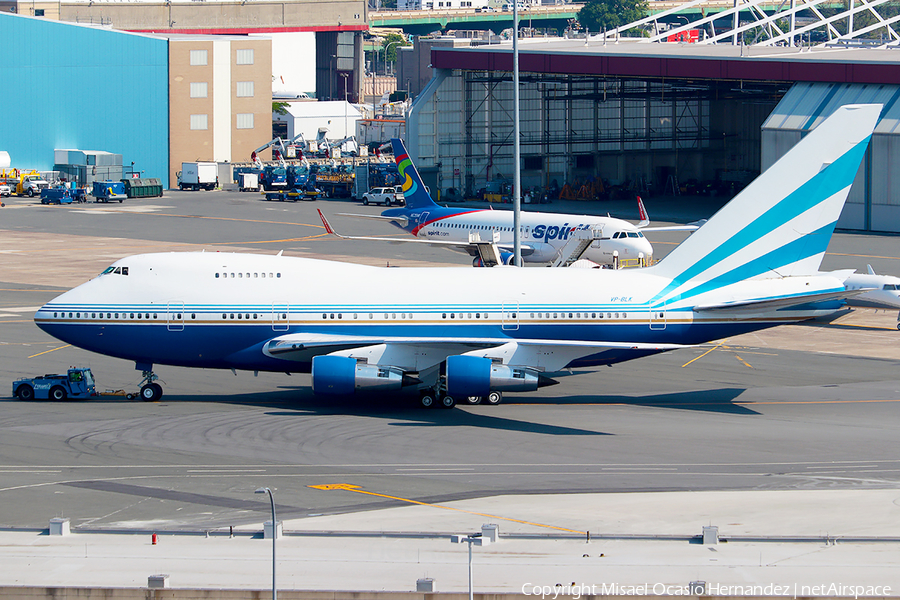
355	488
720	344
48	351
743	361
226	470
861	255
438	469
859	325
208	218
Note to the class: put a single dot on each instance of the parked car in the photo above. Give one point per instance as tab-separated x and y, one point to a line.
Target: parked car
5	189
384	195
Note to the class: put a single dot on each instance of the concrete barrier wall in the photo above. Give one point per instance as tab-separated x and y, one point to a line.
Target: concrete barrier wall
62	593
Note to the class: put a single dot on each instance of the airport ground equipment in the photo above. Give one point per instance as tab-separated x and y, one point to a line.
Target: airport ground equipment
31	184
292	195
335	181
198	175
63	195
384	195
248	181
104	191
147	187
76	383
273	177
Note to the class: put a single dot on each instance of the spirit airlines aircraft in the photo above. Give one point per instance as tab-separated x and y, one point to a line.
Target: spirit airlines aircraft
754	265
545	238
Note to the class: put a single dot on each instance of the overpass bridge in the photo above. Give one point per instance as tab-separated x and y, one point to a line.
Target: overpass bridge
421	22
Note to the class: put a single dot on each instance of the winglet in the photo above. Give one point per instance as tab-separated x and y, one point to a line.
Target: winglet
642	212
871	270
328	228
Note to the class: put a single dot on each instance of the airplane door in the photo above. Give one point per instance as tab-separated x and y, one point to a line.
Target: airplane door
175	316
658	317
510	316
280	312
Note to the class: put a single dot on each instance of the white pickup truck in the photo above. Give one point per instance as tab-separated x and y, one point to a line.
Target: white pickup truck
384	195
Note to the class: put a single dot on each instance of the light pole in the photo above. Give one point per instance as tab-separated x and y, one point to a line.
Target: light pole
346	101
265	490
476	539
387	47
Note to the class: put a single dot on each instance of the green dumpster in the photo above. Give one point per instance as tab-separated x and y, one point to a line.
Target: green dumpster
143	188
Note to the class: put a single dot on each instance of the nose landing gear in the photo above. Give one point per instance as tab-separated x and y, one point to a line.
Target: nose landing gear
150	390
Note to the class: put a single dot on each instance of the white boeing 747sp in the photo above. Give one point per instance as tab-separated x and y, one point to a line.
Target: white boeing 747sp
476	333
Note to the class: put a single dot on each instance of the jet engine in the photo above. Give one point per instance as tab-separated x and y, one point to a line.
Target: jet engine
342	375
477	376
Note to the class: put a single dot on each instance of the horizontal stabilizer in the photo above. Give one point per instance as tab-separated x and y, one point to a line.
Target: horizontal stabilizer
777	303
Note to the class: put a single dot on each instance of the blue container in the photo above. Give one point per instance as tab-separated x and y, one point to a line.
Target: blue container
108	190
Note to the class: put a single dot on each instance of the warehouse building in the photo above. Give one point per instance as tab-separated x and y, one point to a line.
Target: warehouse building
636	117
155	100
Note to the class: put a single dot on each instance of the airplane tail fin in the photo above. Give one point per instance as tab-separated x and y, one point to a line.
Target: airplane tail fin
780	224
413	188
642	212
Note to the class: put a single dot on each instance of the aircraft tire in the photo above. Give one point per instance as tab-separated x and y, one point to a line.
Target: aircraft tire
448	401
25	392
494	398
58	393
151	392
426	400
473	399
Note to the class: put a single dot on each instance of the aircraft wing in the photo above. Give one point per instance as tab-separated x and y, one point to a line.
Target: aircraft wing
777	303
402	220
470	248
549	355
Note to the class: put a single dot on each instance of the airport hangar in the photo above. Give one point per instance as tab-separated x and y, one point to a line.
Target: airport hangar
651	116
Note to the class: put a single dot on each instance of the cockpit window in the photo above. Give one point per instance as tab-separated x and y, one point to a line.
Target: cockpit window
632	234
890	286
108	270
116	271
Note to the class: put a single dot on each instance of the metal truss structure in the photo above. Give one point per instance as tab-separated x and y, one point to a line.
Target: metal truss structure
768	23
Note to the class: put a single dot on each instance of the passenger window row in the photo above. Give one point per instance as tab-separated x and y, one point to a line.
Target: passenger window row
247	275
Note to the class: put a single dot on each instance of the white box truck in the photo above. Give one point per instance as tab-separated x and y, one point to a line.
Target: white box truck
198	175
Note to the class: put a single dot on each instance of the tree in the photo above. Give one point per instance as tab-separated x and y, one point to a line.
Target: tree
280	108
600	15
389	43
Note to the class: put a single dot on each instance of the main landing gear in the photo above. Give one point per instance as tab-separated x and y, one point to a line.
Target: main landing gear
150	390
431	398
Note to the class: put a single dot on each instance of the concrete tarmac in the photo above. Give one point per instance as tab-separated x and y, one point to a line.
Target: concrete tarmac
798	408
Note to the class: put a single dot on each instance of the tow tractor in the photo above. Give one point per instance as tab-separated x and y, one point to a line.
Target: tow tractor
77	383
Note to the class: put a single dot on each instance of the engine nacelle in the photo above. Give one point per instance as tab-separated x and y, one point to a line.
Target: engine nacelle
342	376
477	376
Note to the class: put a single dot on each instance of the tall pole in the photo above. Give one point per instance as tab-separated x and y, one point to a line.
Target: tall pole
274	537
517	171
470	568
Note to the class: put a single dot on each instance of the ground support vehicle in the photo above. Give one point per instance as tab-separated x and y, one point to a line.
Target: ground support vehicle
248	182
76	383
104	191
79	383
273	178
5	190
335	185
384	195
293	195
198	175
62	195
31	184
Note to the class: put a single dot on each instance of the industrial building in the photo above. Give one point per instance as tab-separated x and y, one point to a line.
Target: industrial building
155	101
666	118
